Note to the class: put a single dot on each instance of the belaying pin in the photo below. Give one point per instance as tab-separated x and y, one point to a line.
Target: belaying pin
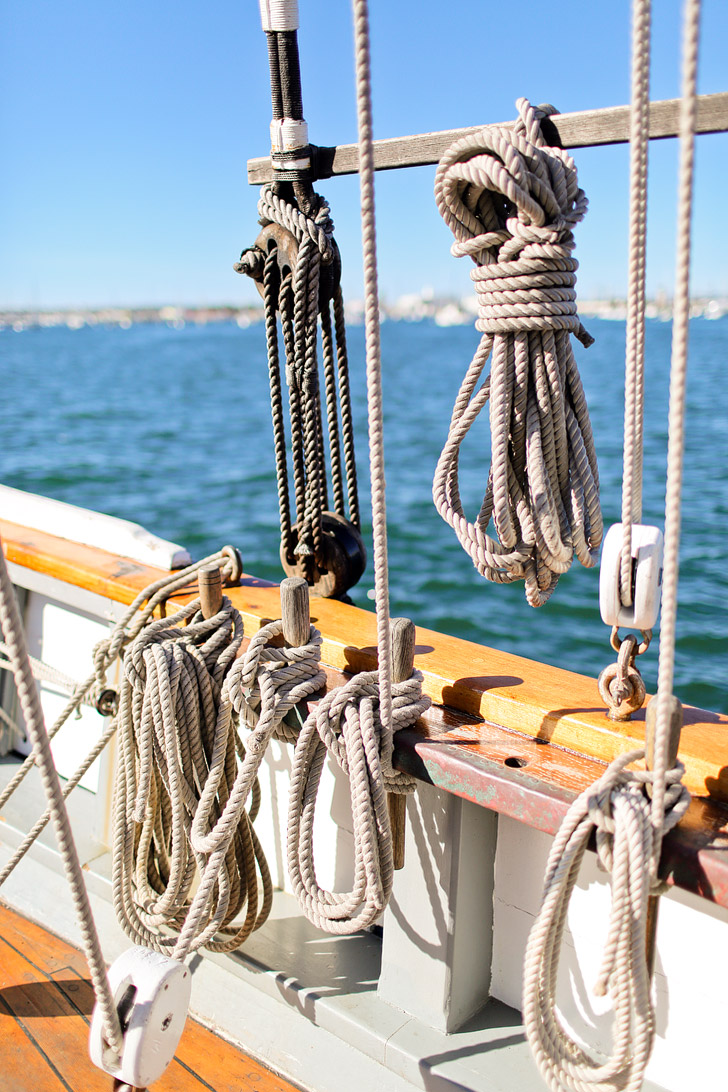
151	992
646	578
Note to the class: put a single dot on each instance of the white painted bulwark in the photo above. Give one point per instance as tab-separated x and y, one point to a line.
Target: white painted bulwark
64	639
691	962
436	952
118	536
333	832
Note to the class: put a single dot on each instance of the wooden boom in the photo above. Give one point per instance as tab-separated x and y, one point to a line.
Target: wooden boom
582	129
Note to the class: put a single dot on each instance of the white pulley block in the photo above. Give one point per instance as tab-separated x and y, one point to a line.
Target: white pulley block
152	994
646	578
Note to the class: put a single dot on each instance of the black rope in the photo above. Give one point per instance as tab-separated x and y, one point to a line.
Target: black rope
276	95
289	68
271	280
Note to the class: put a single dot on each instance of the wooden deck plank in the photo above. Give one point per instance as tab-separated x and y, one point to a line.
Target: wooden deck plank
55	1024
45	1004
23	1064
226	1069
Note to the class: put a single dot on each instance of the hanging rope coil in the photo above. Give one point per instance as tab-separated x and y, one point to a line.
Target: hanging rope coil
185	803
512	202
616	808
172	728
95	690
296	263
346	724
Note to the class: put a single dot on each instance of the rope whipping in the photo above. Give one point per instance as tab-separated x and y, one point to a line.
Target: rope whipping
511	200
296	263
629	827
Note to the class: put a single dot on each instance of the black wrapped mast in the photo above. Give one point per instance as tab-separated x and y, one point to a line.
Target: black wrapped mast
290	148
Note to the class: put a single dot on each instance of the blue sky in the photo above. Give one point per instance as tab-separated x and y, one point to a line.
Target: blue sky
125	129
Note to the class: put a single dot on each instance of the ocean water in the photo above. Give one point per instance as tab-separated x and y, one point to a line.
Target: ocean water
171	428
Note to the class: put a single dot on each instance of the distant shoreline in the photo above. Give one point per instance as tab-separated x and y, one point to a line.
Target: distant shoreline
441	310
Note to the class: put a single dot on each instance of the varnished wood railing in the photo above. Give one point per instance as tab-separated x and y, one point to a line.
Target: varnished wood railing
484	737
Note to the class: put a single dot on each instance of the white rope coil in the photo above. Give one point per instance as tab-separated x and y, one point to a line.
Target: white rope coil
173	730
346	724
511	202
617	809
185	804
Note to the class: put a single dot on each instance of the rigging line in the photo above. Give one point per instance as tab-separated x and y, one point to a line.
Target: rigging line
676	416
635	342
373	360
12	628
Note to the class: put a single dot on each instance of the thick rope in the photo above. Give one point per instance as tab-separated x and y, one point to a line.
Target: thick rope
300	303
135	618
262	687
617	809
676	415
347	724
185	805
635	349
14	635
511	202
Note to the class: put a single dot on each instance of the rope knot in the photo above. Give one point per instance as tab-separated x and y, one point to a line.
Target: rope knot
347	725
316	228
266	683
512	201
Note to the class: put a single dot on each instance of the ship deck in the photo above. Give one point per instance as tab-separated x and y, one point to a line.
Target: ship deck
46	1001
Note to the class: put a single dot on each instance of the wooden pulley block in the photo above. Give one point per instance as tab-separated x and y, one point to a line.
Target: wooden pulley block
280	239
151	992
646	578
342	563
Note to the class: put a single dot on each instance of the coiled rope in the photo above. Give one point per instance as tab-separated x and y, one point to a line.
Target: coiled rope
95	689
512	202
262	687
347	724
617	809
182	795
629	827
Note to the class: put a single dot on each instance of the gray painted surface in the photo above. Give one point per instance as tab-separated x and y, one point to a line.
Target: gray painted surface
439	924
303	1002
